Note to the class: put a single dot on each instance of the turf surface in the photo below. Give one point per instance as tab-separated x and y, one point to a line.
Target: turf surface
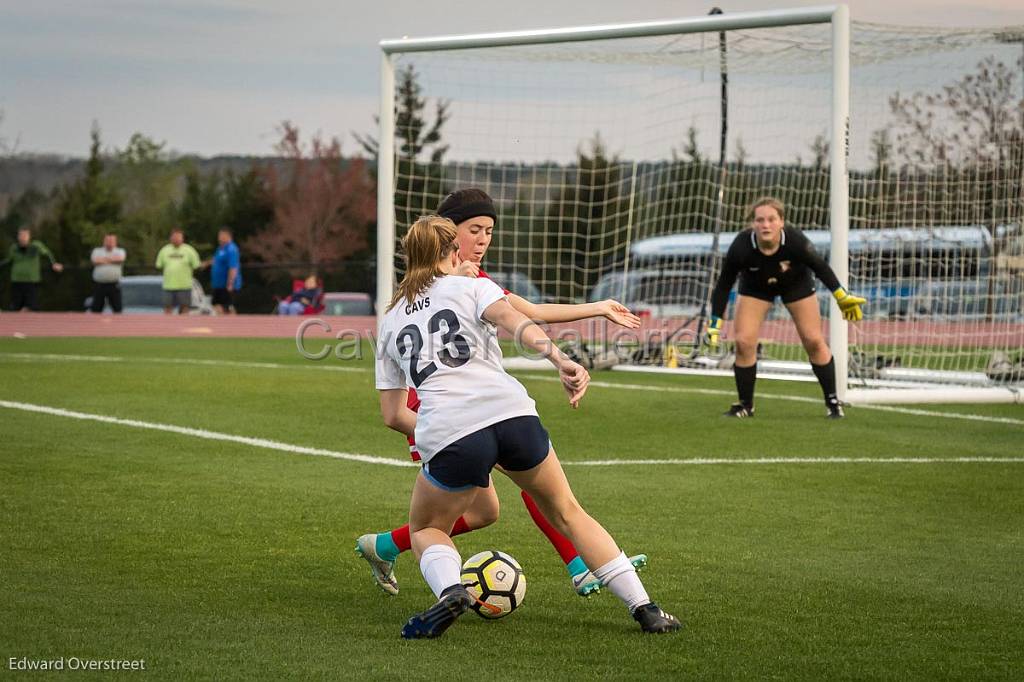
219	560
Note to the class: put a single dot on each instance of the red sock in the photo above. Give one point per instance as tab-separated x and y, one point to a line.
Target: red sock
562	544
460	527
403	538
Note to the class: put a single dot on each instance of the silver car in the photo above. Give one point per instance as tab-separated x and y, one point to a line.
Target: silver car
143	294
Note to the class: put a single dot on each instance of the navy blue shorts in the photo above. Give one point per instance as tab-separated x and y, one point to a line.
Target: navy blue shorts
516	444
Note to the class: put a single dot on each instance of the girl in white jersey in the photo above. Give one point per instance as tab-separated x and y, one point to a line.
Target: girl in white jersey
438	336
473	212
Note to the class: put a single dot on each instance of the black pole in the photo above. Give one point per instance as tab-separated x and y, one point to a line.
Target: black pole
719	212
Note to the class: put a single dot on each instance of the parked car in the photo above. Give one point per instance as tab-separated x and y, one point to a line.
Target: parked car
659	292
143	294
347	303
972	300
519	284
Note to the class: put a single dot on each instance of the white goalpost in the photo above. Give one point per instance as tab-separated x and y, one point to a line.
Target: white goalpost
598	144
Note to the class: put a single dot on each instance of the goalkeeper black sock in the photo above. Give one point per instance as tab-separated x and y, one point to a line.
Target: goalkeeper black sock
745	378
827	378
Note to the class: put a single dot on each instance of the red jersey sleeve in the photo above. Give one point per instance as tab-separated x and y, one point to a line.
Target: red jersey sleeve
486	276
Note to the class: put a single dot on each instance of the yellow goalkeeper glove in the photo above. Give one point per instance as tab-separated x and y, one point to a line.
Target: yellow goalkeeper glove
714	330
849	304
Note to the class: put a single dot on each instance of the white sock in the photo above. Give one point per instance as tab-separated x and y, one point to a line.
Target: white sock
619	576
441	566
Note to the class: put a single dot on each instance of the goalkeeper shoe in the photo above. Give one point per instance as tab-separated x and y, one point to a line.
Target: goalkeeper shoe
835	410
383	571
454	602
739	410
653	619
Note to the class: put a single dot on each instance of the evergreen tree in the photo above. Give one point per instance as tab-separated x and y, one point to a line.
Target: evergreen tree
585	222
84	210
419	187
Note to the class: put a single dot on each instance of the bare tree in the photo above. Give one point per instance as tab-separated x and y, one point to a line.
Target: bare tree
7	147
881	150
972	120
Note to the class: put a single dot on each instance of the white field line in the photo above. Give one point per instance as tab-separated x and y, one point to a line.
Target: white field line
804	460
532	376
207	435
370	459
37	357
792	398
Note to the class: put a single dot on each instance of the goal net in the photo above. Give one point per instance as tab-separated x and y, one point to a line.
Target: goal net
602	148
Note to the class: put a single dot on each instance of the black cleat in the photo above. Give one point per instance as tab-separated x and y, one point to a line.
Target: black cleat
653	619
739	410
835	411
454	602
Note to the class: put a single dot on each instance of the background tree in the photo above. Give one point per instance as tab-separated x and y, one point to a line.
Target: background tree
149	180
586	222
85	210
741	154
323	207
418	180
691	149
8	147
974	119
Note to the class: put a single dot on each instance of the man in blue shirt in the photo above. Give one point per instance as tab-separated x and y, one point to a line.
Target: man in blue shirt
226	275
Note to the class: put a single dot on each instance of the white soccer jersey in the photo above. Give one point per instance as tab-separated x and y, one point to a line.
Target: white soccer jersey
440	345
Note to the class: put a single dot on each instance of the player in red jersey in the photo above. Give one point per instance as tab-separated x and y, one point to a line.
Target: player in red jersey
472	211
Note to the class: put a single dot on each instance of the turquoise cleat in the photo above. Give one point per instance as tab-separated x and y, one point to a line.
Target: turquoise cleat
383	571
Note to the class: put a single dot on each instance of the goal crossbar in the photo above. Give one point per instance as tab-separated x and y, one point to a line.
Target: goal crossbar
717	22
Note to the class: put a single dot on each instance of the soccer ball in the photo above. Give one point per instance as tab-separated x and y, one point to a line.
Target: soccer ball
496	581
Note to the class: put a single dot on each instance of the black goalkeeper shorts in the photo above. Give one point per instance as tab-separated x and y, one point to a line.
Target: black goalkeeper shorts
794	290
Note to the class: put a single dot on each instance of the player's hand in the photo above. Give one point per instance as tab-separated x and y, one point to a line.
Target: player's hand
714	331
575	379
467	268
849	304
57	267
619	314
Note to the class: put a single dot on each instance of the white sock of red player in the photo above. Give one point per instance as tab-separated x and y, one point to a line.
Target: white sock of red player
619	576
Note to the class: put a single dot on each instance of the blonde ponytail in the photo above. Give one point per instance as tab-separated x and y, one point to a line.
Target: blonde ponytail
428	241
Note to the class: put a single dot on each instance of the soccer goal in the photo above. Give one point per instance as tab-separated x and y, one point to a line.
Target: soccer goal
623	159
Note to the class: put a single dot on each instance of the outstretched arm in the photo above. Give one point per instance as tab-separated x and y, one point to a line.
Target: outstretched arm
720	294
849	304
57	267
554	312
574	377
810	256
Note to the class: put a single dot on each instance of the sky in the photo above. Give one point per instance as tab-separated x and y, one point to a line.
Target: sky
217	77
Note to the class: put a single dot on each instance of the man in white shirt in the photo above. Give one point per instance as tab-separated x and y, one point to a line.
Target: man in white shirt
106	274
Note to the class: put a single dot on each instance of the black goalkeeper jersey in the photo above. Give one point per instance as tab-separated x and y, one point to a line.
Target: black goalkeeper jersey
768	276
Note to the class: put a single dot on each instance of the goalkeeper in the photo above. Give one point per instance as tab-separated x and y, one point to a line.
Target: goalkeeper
773	259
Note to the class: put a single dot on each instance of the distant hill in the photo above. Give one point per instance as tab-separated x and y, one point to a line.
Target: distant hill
46	172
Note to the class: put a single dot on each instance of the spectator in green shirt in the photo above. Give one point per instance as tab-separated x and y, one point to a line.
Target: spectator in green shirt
177	260
26	273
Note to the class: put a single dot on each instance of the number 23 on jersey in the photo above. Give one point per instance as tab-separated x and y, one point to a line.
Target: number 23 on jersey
455	349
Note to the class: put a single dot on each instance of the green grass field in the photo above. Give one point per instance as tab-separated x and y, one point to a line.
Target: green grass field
220	560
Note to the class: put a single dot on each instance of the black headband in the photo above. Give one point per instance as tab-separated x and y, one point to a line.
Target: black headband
462	212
